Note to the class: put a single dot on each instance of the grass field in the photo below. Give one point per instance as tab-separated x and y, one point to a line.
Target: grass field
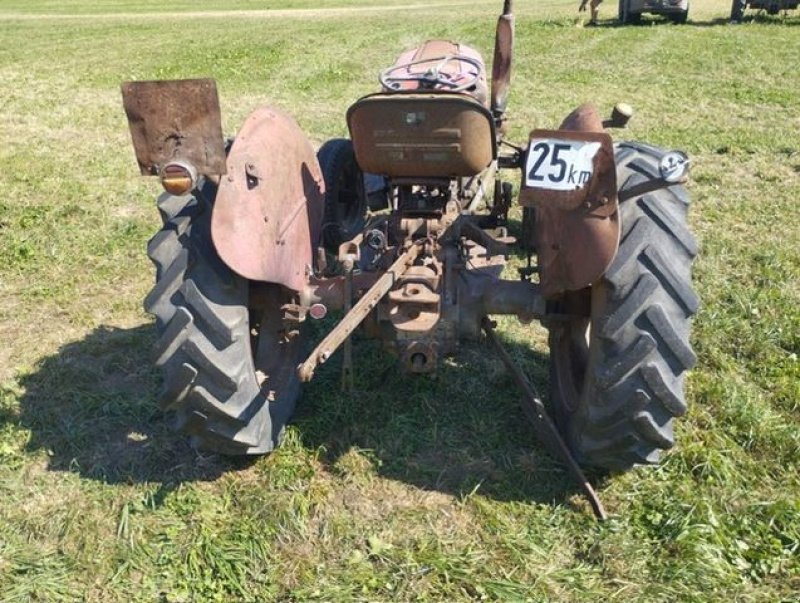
410	488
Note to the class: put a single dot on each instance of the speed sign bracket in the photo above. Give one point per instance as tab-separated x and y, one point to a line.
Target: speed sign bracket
570	169
570	180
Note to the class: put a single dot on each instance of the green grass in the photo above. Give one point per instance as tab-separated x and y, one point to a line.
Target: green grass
426	488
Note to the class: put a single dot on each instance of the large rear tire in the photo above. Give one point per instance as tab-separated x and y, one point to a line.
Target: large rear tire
227	362
737	10
680	18
627	17
345	194
618	376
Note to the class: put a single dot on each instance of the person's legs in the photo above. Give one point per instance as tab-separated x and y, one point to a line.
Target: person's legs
595	6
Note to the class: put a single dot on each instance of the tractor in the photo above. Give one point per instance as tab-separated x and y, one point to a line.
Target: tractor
404	228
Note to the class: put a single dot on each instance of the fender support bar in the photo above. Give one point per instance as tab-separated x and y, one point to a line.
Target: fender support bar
545	429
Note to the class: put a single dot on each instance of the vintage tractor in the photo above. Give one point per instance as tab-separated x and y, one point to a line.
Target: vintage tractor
403	227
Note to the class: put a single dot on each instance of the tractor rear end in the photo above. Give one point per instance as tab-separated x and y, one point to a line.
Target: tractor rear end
404	228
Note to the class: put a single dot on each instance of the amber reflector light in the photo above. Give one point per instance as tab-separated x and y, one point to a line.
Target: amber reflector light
177	178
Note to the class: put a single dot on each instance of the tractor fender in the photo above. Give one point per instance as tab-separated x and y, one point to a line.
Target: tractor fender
267	216
576	230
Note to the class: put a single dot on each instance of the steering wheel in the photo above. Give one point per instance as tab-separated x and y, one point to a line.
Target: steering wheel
435	76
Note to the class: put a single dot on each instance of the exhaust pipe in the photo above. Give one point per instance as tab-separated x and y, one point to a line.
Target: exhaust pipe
501	64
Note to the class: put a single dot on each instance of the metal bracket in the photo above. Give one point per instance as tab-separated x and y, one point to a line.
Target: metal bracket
357	314
545	428
648	187
673	169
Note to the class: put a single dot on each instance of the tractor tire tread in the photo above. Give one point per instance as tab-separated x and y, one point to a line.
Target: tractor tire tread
204	345
170	206
334	158
159	301
636	380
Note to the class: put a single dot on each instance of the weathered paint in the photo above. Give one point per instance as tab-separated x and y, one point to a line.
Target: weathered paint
175	120
577	232
268	212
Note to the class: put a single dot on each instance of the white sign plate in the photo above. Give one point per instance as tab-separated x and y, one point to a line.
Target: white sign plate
560	165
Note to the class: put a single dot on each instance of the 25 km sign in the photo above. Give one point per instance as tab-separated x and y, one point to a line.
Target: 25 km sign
560	164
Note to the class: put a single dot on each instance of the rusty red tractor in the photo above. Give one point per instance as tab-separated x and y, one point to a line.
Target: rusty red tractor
404	228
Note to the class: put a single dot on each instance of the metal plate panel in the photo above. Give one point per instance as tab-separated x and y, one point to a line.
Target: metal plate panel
602	185
437	135
576	231
175	120
574	247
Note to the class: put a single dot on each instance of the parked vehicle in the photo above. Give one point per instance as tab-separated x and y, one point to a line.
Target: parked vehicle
631	11
771	7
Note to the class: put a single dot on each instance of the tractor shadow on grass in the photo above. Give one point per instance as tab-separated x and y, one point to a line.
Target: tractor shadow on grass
457	431
92	407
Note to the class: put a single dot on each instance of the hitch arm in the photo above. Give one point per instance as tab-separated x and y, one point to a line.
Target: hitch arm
545	429
356	316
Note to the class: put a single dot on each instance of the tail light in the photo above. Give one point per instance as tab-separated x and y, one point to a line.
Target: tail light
178	177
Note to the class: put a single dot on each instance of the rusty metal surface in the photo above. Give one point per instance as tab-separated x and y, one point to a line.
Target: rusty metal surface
574	247
440	135
585	118
414	303
175	120
501	64
357	314
331	291
577	232
347	346
268	212
545	429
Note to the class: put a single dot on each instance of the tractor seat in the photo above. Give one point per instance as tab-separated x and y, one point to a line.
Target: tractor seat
438	65
422	135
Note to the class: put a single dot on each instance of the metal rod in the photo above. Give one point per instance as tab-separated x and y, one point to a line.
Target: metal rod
647	187
545	429
522	298
356	316
347	349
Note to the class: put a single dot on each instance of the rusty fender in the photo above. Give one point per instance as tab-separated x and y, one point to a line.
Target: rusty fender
577	231
268	213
